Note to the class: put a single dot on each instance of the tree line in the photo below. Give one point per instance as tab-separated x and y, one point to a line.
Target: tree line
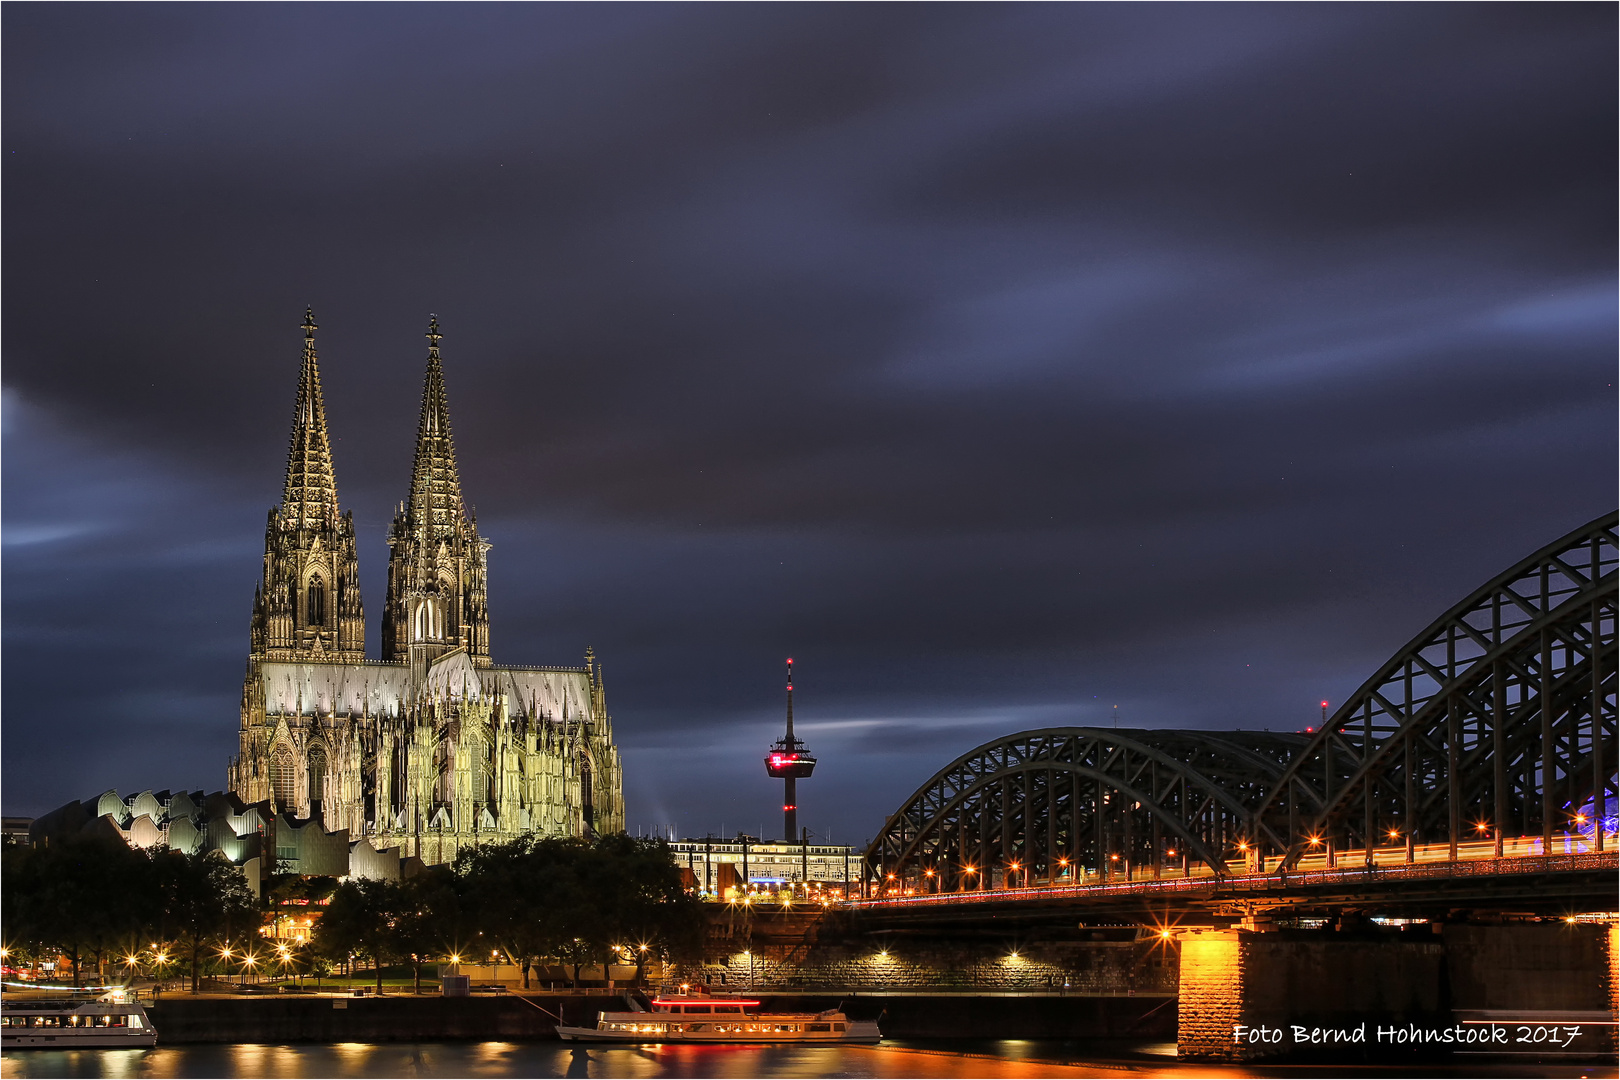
93	898
527	901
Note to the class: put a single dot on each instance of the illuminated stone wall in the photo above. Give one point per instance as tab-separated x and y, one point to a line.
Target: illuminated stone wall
1211	996
804	951
1273	981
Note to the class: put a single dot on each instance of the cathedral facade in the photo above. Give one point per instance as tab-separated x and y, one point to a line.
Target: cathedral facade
433	747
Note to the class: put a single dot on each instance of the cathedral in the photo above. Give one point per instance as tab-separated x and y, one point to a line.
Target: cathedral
433	747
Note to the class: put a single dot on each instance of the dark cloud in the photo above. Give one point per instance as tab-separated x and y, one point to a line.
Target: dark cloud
1005	365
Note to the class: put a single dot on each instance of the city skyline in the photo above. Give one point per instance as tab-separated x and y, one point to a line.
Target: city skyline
1004	367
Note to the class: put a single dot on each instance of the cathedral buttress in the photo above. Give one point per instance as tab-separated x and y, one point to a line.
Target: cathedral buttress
438	564
308	605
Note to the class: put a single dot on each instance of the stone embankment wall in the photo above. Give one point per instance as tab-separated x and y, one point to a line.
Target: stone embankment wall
774	951
181	1018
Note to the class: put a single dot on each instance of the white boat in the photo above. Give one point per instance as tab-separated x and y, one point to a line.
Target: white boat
58	1023
695	1018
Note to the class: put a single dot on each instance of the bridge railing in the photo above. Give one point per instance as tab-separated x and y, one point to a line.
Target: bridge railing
1360	871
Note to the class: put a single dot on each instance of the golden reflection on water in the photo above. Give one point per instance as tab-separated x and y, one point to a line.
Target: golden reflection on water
988	1058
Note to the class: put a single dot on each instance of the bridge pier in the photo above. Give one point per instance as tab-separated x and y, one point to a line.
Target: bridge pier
1246	996
1242	994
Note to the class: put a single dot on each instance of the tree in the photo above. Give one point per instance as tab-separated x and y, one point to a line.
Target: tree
574	900
78	894
640	901
429	920
360	920
202	898
524	896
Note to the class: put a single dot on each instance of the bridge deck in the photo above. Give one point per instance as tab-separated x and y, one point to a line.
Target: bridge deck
1570	884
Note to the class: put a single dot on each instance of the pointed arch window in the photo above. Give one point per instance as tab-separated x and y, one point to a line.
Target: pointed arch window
283	777
315	602
585	793
317	775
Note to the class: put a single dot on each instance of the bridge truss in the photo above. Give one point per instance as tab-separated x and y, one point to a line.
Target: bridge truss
1499	720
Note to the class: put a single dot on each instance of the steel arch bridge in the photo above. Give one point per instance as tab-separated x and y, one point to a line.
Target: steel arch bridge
1497	721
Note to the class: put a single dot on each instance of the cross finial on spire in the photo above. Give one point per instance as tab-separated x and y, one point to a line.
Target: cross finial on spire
309	324
433	335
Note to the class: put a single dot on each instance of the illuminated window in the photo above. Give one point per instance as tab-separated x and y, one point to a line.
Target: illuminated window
282	776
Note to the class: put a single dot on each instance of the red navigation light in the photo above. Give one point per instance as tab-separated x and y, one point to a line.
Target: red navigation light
1309	730
1324	704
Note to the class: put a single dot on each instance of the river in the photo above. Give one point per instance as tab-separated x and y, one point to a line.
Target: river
979	1058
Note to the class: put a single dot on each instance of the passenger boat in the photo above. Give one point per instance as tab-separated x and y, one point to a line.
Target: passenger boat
696	1018
56	1023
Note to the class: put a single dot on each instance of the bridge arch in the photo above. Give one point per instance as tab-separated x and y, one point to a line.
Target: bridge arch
1497	720
1045	804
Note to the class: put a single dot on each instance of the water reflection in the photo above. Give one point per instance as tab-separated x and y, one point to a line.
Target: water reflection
980	1058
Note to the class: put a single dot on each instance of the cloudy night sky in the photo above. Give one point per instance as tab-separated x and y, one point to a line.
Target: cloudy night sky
1007	366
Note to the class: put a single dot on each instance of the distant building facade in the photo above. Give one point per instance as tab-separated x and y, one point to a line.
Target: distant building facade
255	837
433	747
717	865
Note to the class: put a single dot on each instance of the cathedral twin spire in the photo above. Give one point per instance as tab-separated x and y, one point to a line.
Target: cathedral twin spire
308	606
309	499
435	504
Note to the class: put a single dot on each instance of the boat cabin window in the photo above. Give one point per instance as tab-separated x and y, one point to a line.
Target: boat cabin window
728	1008
818	1027
838	1027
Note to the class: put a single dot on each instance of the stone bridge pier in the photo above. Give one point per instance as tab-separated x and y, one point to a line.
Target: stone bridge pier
1427	990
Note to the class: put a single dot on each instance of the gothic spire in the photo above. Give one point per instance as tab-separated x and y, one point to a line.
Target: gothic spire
309	499
435	504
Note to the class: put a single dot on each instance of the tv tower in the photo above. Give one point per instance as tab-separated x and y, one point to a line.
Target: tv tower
787	761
